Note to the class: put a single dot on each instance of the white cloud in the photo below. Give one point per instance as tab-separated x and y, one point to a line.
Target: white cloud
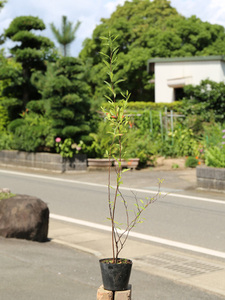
111	5
211	11
216	10
90	12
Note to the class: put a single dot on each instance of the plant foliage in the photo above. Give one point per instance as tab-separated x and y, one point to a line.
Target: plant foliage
147	29
215	157
31	53
205	99
67	34
118	124
65	98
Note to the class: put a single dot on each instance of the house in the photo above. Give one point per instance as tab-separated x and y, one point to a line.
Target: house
172	74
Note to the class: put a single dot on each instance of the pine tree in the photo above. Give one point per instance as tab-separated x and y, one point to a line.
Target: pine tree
65	98
31	54
67	34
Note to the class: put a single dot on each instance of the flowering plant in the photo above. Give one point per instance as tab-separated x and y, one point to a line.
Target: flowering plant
192	162
67	148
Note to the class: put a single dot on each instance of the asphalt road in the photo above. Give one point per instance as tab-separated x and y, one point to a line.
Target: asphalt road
50	271
194	220
34	271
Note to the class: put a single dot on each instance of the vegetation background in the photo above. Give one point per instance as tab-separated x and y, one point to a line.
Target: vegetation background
45	95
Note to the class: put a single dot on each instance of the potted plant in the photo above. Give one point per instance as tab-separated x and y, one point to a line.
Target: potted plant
116	270
130	163
98	148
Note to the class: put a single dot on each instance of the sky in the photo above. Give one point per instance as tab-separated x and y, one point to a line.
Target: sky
90	12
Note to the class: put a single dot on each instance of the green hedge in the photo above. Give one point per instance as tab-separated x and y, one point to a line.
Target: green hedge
142	106
152	105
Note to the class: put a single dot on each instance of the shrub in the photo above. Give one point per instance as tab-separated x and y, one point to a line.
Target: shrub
3	117
6	139
191	162
207	97
215	147
139	145
181	142
212	134
143	106
100	141
215	157
32	133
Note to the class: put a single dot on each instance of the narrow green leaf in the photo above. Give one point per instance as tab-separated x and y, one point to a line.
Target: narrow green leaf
106	63
103	38
116	36
107	97
103	54
106	82
120	80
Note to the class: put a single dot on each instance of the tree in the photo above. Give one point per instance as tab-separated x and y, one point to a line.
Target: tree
13	68
2	3
147	29
67	34
65	98
31	54
206	101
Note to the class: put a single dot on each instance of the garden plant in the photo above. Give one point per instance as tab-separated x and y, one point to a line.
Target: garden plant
118	123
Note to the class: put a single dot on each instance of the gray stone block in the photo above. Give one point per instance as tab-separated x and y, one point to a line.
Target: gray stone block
47	161
211	178
24	217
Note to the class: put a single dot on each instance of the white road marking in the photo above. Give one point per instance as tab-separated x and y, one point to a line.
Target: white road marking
133	234
144	237
121	188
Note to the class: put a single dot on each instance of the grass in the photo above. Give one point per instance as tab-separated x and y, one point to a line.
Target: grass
6	195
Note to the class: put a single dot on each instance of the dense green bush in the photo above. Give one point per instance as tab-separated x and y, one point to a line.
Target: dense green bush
147	139
65	98
31	53
212	134
204	99
100	141
146	106
3	117
140	146
215	157
191	162
215	146
138	106
32	133
6	139
180	142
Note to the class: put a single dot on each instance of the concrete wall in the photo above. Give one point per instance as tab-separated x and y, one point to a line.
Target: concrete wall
46	161
211	178
169	75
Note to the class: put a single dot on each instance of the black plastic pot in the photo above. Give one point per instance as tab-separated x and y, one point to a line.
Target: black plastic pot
116	276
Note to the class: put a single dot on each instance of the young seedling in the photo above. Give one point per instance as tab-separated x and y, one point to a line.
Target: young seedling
119	123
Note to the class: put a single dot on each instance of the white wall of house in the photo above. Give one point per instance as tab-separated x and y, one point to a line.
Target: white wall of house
171	74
